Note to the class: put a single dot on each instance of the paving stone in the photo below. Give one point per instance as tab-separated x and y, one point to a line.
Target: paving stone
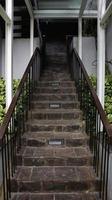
55	97
57	125
56	156
56	114
60	83
42	138
46	104
55	179
55	90
56	196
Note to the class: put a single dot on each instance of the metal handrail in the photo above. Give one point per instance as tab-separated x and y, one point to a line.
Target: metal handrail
13	125
96	123
15	98
98	105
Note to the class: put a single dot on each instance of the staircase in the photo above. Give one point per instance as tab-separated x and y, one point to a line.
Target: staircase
55	162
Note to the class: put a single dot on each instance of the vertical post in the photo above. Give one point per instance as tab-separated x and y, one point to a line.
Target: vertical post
9	53
101	53
80	36
31	35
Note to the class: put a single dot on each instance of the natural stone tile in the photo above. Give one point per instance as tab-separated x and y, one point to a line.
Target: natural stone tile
42	197
25	174
42	174
65	173
29	152
34	186
44	152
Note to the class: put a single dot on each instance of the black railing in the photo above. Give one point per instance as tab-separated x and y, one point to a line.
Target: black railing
97	126
14	122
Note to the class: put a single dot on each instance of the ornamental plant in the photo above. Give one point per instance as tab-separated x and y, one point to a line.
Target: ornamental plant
108	94
3	96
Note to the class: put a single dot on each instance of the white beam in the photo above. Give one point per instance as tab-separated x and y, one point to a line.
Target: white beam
38	26
29	7
63	14
31	36
83	6
56	4
4	15
80	37
107	14
101	53
9	53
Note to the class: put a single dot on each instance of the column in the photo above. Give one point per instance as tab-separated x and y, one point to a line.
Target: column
80	36
101	53
9	53
31	36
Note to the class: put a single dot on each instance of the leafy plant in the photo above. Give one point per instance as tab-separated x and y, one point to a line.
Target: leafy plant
108	94
3	96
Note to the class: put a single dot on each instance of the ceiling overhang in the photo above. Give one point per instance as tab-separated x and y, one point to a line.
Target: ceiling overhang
63	14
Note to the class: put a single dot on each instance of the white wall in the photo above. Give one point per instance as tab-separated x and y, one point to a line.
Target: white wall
0	52
109	42
21	56
89	53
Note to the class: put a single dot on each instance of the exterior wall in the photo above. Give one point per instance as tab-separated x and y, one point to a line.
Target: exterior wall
89	53
0	52
109	42
21	56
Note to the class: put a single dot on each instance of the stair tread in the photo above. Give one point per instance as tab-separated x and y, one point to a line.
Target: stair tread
58	152
56	122
56	110
55	173
50	134
61	94
57	81
56	196
55	101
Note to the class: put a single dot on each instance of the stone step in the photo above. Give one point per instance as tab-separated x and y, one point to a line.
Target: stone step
54	79
52	179
56	114
61	78
56	83
57	72
55	97
60	139
54	156
55	76
56	196
54	104
56	90
56	125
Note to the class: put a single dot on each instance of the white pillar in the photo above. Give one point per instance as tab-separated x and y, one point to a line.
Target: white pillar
80	36
9	53
101	53
31	36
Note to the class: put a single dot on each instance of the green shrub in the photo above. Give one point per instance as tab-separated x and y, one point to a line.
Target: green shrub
108	94
3	96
